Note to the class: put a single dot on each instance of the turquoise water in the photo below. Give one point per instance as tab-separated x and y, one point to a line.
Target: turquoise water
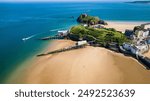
19	20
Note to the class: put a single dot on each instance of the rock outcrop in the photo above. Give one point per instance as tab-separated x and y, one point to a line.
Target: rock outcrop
90	20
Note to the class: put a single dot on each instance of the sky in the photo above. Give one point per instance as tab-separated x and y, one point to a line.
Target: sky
60	0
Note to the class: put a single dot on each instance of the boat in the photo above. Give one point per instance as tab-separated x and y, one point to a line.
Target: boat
27	38
24	39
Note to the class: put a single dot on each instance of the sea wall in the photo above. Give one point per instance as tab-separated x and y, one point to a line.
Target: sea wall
145	61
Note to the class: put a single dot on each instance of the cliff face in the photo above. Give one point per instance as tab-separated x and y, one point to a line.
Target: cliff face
90	20
82	18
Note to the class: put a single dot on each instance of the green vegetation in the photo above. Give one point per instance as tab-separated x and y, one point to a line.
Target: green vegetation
90	20
101	36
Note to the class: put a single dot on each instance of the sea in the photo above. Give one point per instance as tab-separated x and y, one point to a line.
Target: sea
36	20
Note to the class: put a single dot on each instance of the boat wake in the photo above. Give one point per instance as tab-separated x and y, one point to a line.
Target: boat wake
27	38
56	29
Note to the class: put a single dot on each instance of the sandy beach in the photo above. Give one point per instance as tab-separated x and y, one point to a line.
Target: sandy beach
83	66
122	26
90	65
147	54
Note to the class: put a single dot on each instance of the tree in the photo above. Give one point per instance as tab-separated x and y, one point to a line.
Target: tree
109	37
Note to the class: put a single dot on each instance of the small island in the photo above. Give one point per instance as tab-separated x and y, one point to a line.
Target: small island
140	2
90	20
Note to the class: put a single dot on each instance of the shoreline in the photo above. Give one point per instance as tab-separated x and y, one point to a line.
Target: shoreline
12	78
128	21
123	25
29	70
23	64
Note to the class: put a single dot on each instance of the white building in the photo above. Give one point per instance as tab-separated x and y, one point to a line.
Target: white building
85	25
146	26
136	49
98	26
127	46
130	47
139	49
146	34
79	43
143	48
63	33
142	34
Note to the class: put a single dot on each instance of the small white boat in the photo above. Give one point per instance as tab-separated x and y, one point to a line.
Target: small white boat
24	39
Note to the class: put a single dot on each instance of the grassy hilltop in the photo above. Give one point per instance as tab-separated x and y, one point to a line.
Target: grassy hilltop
101	36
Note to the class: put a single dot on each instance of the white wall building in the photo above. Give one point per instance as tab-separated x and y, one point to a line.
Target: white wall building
85	25
139	49
136	49
127	46
146	34
146	26
131	47
84	42
143	48
142	34
139	33
98	26
63	33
